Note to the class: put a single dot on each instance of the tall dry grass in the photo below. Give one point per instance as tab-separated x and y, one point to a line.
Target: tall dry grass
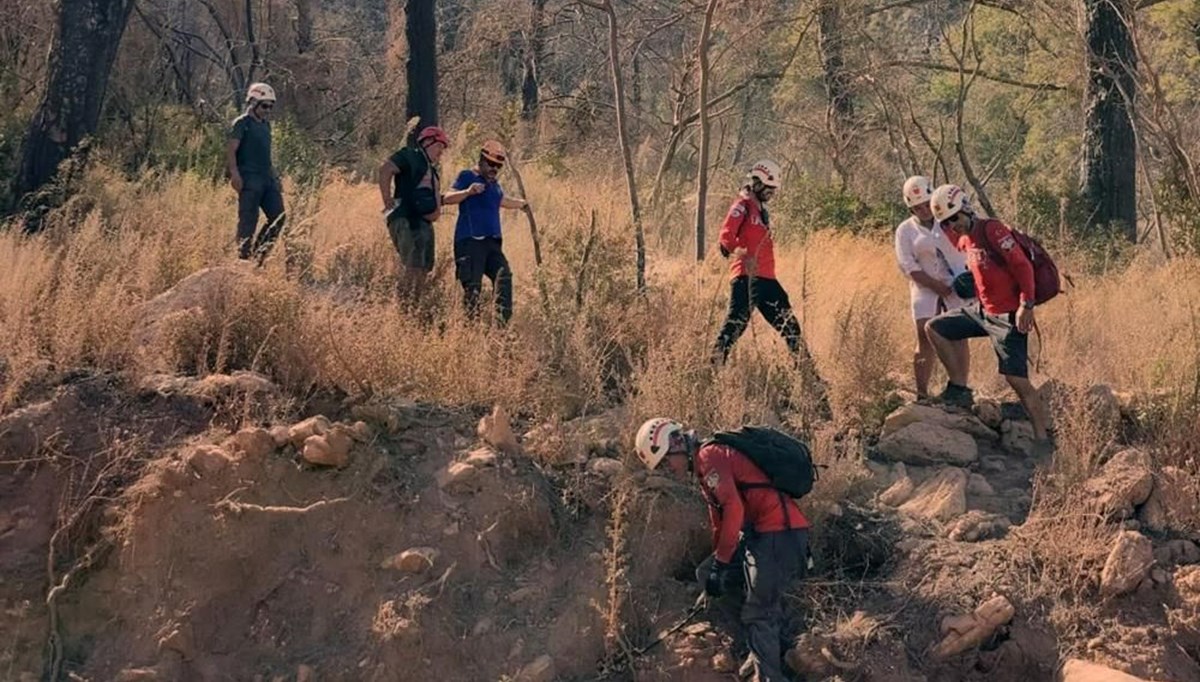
324	315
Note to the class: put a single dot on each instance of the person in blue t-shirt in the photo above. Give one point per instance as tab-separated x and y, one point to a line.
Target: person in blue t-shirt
477	238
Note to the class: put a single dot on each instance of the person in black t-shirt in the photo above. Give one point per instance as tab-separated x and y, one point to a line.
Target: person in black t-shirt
248	157
410	188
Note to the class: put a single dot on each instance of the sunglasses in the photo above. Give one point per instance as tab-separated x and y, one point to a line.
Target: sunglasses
266	105
493	164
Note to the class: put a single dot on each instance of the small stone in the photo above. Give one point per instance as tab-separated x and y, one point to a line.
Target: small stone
302	431
305	673
481	458
1127	565
281	434
254	443
496	430
414	560
899	492
994	465
458	477
723	663
988	411
605	466
340	440
362	431
966	632
1017	437
697	629
979	525
317	450
208	460
541	669
978	485
1123	483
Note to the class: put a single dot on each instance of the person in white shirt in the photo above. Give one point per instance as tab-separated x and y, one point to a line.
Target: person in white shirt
930	262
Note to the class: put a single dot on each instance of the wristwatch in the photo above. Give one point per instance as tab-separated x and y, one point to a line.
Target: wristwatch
1028	305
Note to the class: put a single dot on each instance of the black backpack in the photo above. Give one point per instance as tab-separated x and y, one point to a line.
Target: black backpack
786	461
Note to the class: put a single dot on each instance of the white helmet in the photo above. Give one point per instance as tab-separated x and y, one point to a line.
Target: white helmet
948	200
260	92
653	440
917	191
767	172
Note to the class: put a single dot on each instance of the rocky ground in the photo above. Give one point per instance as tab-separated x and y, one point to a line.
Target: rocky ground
175	528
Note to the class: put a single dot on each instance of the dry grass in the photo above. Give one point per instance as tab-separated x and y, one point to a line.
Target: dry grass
582	337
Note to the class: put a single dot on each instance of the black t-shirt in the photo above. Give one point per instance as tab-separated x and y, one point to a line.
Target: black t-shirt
254	152
416	185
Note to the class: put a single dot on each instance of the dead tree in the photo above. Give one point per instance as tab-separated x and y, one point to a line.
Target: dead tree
421	68
705	127
535	45
840	111
1108	175
81	58
614	61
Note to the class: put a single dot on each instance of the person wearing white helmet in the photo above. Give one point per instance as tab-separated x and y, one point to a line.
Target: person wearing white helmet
760	536
746	237
1004	280
930	262
252	175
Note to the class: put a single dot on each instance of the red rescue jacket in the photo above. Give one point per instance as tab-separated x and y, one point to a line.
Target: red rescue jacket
1002	285
721	469
744	228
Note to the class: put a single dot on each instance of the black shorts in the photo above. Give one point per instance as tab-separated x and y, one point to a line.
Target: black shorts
1011	346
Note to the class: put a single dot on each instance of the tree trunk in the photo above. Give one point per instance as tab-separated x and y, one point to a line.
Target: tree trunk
840	111
421	30
534	47
1108	177
81	58
304	25
705	128
614	62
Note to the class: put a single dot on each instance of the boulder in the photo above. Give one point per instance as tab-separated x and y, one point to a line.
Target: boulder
978	485
196	292
1077	670
496	430
541	669
281	435
988	412
414	560
458	477
327	450
302	431
1123	483
926	443
941	498
254	443
1127	565
1177	553
1017	437
979	525
899	492
1173	504
207	460
960	633
914	413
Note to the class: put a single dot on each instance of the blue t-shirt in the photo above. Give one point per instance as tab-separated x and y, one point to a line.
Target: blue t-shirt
478	216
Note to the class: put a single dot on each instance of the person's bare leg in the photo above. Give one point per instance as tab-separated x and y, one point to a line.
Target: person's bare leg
923	359
1033	403
951	355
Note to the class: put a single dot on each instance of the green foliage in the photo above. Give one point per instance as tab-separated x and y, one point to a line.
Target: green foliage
807	206
296	155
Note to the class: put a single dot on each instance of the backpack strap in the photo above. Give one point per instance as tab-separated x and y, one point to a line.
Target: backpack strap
787	518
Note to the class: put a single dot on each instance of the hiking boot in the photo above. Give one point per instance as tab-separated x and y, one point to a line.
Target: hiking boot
957	396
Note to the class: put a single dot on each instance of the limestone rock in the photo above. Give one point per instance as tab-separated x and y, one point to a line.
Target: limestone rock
327	450
481	458
254	443
979	525
414	560
961	633
914	413
605	466
899	492
496	430
1077	670
941	498
362	432
459	477
207	460
1174	503
988	412
281	435
722	662
302	431
925	443
1017	437
1124	482
541	669
1127	565
978	485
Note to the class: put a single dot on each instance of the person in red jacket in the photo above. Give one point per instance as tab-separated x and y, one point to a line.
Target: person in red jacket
758	531
746	236
1005	287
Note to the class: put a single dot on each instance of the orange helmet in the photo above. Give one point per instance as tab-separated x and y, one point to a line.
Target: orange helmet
493	152
432	135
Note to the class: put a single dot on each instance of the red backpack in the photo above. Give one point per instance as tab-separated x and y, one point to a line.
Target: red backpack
1047	283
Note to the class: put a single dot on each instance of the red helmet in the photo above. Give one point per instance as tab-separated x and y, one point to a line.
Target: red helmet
432	135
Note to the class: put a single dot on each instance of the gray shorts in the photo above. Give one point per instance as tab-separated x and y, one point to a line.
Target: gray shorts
414	243
1011	346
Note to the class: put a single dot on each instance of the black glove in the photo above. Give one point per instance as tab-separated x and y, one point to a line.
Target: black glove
964	285
724	251
718	576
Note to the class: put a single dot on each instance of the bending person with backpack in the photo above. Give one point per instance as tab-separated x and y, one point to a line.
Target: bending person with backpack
760	536
1005	284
